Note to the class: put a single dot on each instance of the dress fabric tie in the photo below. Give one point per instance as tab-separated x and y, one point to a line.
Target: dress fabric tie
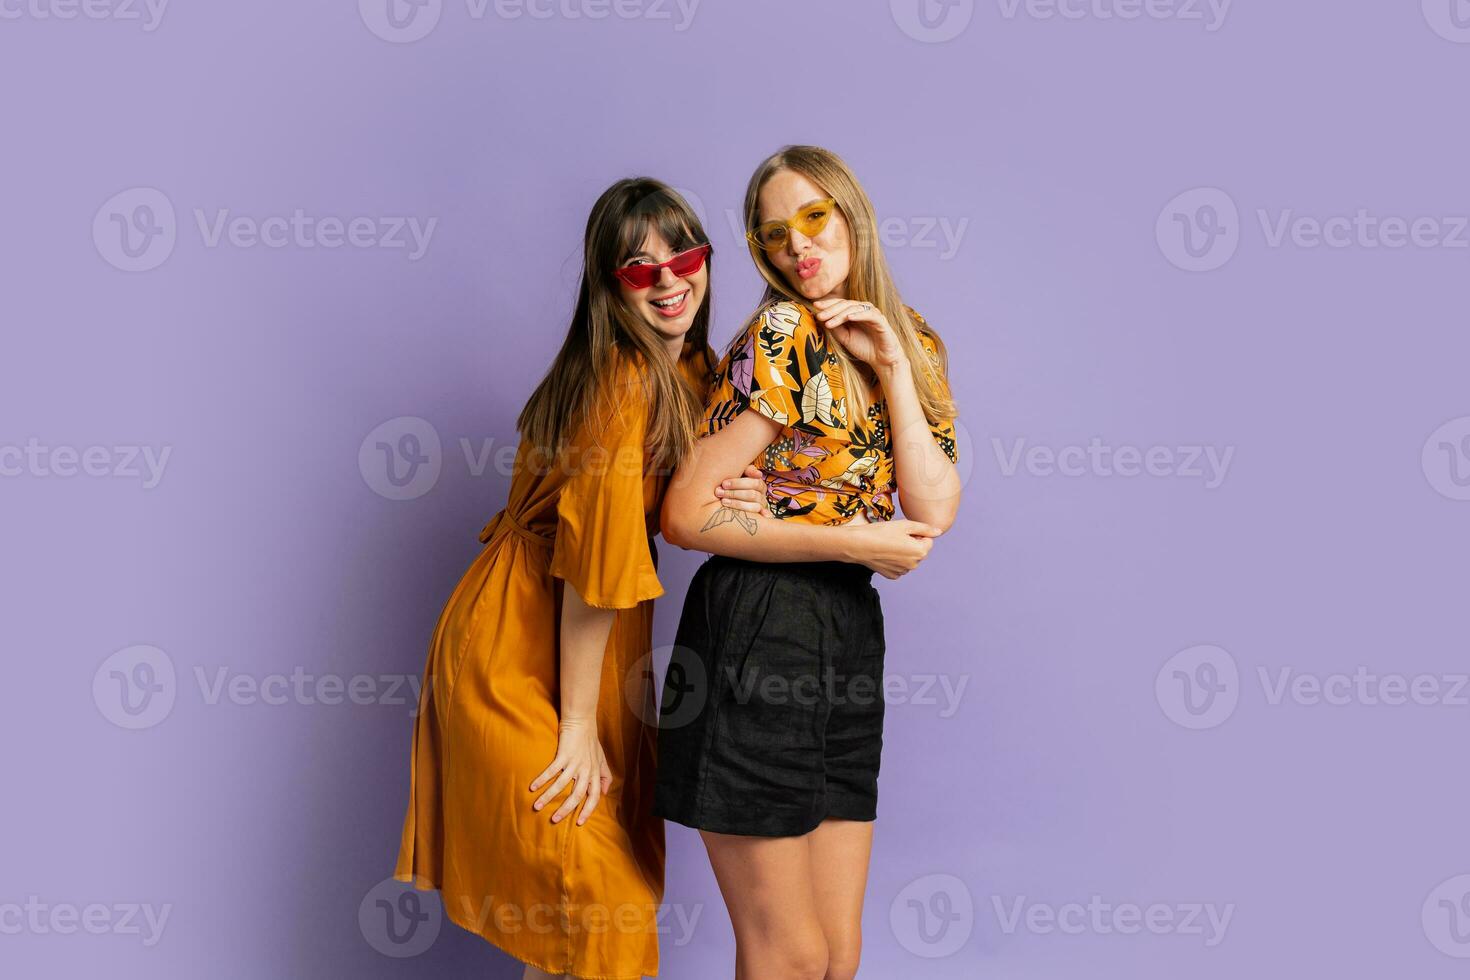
504	519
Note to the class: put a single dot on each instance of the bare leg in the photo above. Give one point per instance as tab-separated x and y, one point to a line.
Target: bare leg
767	886
840	850
534	974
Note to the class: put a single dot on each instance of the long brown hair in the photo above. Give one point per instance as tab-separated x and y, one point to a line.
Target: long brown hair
868	278
604	327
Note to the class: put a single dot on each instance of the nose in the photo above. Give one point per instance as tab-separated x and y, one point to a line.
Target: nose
666	277
796	242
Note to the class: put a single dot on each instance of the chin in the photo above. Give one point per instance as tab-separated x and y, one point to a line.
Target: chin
809	288
676	329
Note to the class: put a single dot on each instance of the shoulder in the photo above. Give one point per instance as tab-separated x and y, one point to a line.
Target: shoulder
618	405
928	339
697	368
927	336
785	318
625	372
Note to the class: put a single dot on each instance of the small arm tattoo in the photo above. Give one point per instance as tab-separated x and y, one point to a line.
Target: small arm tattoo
724	515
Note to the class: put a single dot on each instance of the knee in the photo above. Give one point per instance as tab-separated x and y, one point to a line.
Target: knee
796	958
842	957
807	961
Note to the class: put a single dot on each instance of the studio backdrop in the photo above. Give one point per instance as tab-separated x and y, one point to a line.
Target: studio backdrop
1181	693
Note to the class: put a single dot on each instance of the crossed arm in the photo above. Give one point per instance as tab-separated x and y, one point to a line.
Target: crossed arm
694	518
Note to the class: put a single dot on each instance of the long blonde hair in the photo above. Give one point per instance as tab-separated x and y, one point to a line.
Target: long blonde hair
868	278
604	326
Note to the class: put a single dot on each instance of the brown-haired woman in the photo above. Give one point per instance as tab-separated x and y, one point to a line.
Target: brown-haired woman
773	710
524	719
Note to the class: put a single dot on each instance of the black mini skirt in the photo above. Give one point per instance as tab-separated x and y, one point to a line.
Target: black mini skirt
771	719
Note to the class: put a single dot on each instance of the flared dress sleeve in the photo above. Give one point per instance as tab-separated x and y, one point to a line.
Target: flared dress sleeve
602	547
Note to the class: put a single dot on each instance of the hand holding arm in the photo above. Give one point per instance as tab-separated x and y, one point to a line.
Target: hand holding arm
692	517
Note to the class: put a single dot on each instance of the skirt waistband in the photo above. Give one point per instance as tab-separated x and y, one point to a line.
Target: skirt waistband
841	572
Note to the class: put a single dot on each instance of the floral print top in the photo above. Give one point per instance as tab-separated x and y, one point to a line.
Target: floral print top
824	466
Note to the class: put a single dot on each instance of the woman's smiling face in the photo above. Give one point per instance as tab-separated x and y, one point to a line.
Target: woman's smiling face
669	305
815	268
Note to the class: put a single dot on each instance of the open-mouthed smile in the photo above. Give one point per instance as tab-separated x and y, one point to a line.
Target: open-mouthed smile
671	306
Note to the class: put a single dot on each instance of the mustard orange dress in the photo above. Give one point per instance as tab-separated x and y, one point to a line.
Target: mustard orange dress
567	899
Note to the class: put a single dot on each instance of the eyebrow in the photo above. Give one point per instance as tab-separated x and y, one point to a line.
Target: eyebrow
803	207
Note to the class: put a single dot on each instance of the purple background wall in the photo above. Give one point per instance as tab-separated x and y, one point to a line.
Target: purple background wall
1143	657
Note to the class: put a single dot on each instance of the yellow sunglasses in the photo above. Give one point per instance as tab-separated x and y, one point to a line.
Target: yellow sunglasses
810	221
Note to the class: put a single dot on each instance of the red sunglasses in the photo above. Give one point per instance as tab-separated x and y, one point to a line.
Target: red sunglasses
645	274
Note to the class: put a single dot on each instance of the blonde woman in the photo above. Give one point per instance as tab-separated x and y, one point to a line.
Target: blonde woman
773	713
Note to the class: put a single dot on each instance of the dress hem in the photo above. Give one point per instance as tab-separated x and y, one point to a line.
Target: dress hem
518	957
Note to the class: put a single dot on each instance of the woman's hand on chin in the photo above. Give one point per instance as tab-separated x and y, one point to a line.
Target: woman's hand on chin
864	331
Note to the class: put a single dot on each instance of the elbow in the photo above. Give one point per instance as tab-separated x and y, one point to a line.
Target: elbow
938	513
673	525
948	509
941	519
946	520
